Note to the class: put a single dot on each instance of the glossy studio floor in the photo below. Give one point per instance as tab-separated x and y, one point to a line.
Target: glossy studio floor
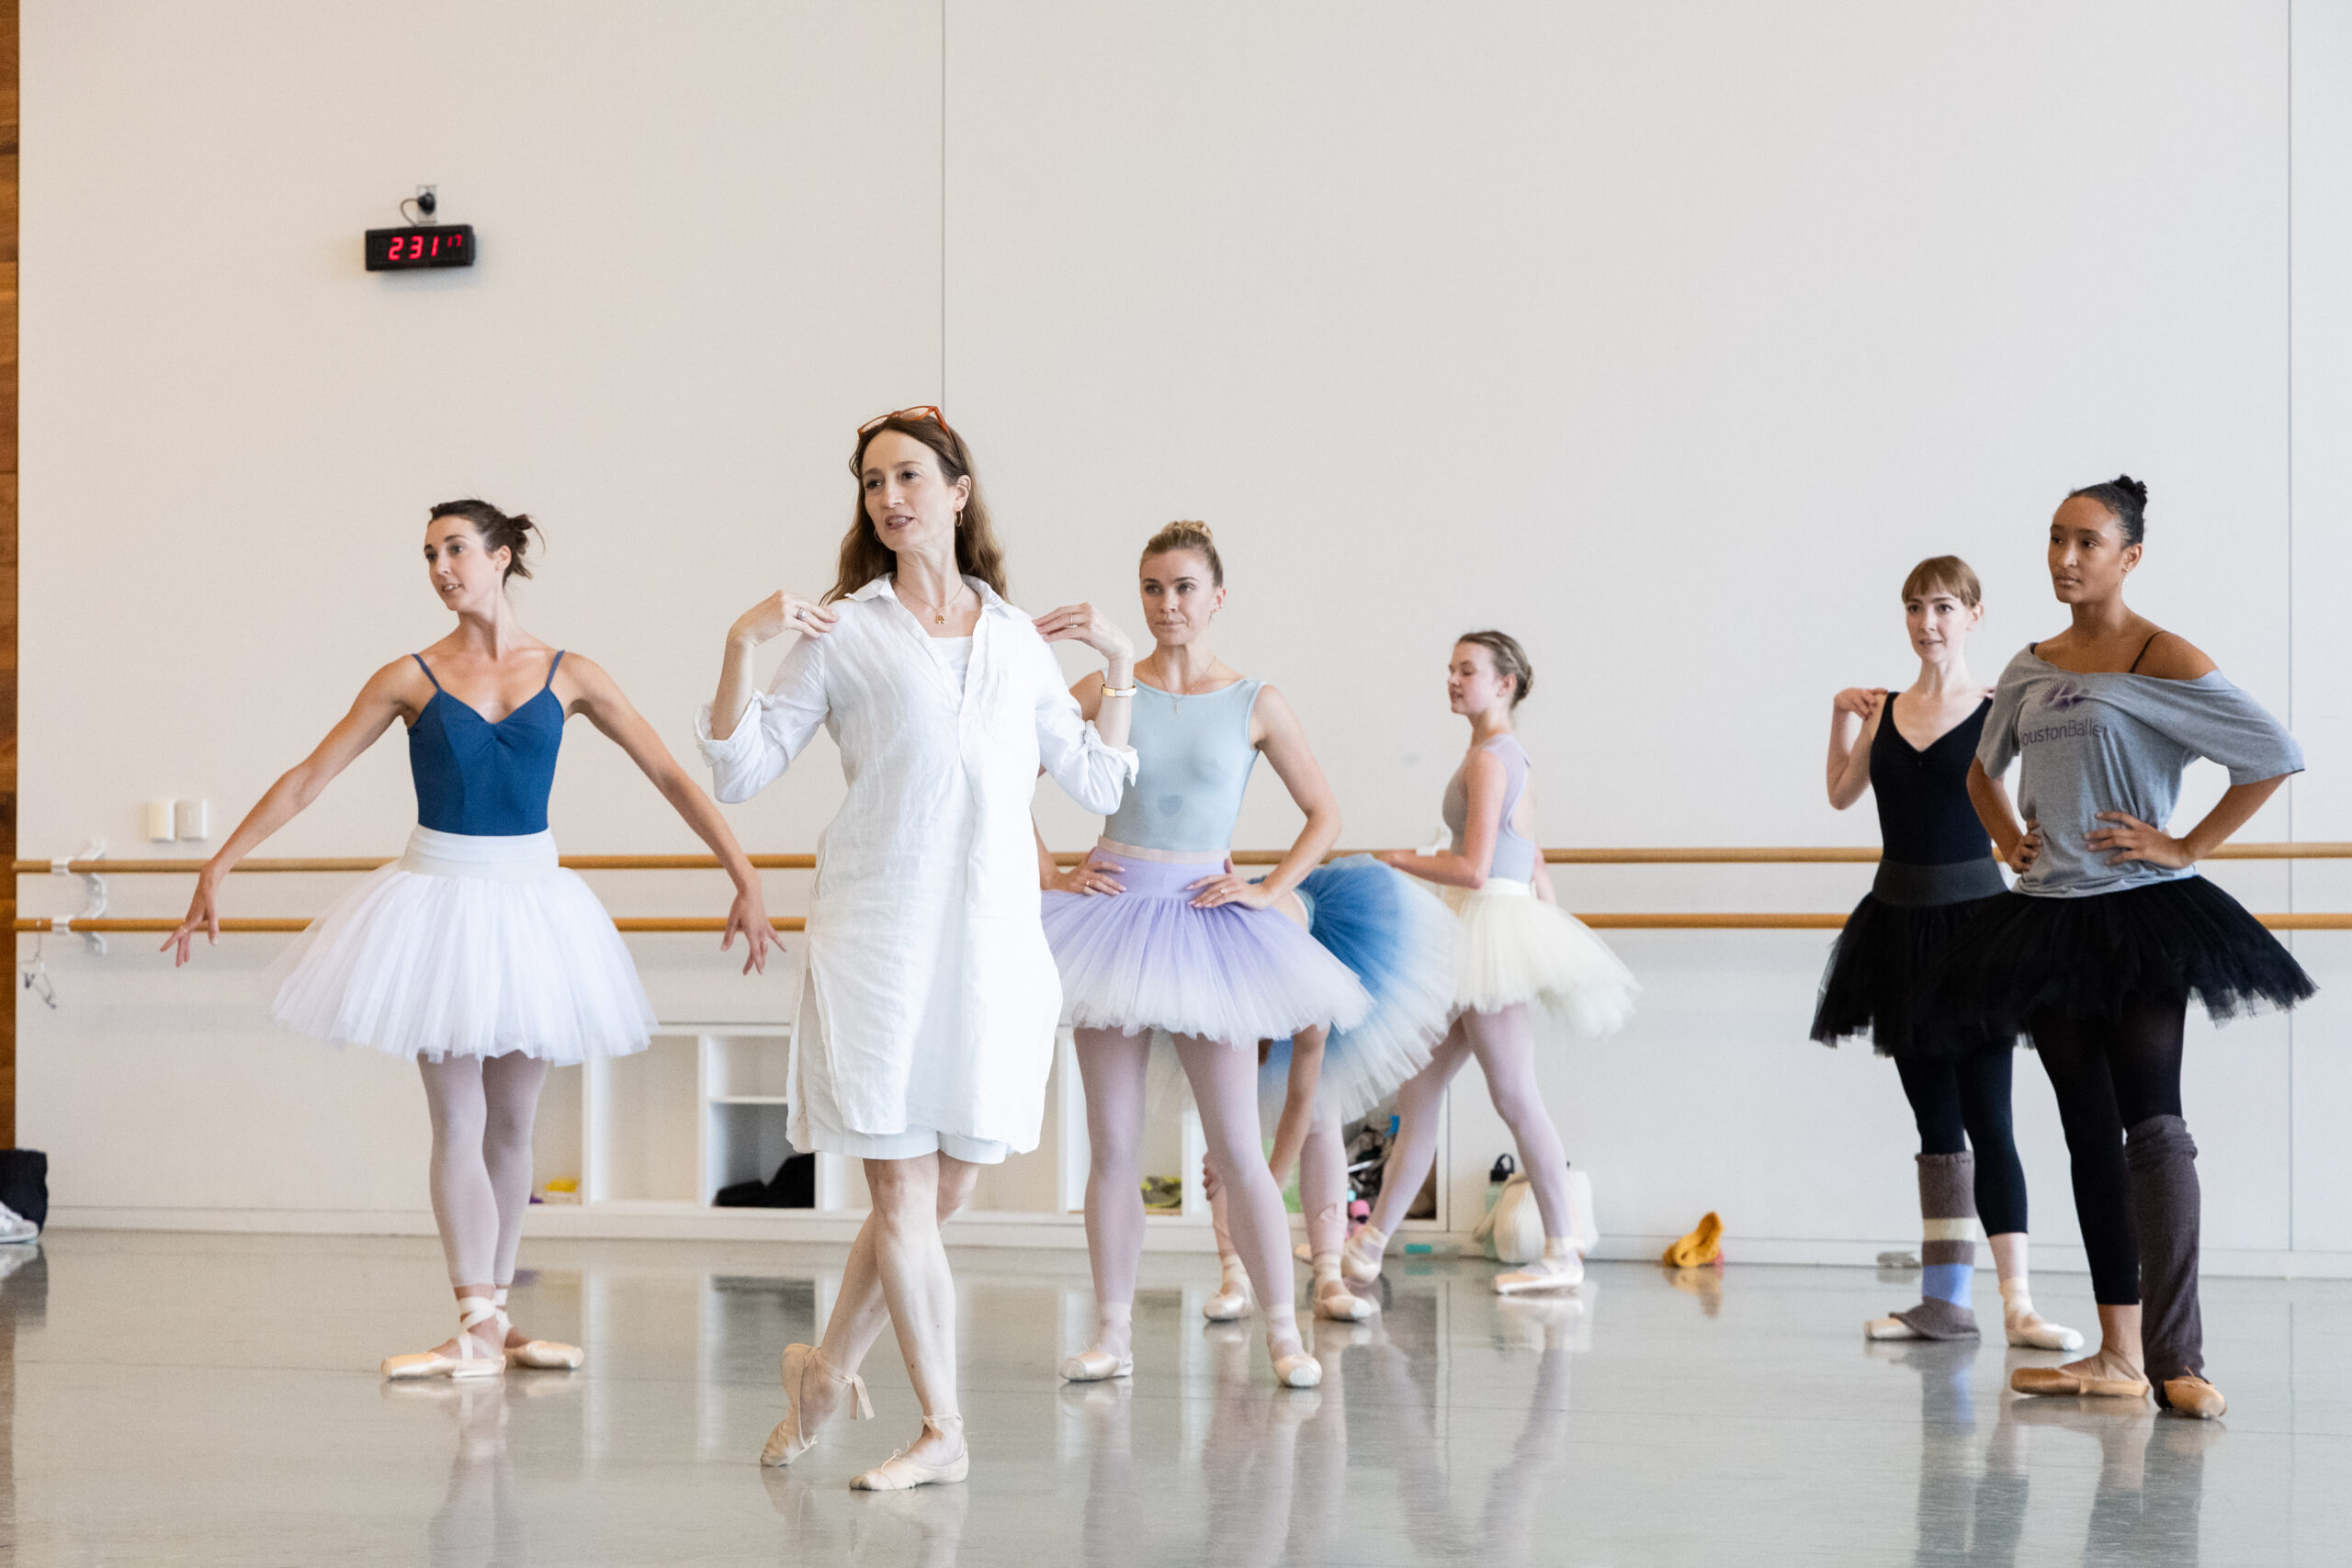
199	1399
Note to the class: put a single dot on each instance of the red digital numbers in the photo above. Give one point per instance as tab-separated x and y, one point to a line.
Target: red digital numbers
401	248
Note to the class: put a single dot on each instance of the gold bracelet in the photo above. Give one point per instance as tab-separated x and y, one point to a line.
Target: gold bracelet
1118	691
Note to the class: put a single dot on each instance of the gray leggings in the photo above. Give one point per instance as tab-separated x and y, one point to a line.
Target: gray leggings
483	1110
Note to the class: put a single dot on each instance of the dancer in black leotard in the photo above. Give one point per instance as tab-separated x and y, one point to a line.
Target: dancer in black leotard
1938	872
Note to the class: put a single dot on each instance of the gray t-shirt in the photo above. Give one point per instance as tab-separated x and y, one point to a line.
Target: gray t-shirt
2117	742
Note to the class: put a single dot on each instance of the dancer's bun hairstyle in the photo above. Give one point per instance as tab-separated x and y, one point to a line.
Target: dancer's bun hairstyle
1509	660
1186	534
498	530
2126	500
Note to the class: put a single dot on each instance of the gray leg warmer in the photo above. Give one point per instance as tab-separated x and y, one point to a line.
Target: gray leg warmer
1948	1210
2166	1208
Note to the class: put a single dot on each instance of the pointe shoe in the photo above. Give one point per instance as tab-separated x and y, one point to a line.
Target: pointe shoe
1543	1274
1890	1328
1229	1305
1303	1253
540	1355
788	1441
900	1474
1297	1369
473	1359
2028	1330
2057	1382
1334	1302
1359	1259
1096	1366
2192	1396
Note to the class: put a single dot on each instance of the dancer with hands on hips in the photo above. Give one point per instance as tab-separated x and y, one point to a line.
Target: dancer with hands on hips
475	953
2110	930
927	1025
1157	933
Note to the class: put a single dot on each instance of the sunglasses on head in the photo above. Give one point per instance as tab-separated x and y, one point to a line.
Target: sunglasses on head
913	416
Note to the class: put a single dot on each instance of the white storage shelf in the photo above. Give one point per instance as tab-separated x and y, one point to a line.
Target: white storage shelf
651	1138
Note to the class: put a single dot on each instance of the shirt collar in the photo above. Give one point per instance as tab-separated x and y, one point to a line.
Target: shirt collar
991	603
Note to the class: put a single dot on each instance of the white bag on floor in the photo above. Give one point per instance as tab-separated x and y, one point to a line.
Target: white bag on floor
1512	1230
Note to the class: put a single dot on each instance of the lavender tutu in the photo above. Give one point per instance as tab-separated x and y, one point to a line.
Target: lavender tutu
1146	959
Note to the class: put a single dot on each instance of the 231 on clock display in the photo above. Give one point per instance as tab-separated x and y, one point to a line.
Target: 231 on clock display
420	245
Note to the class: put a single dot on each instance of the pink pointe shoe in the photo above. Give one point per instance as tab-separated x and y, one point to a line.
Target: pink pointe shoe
473	1359
901	1473
1359	1259
790	1441
540	1355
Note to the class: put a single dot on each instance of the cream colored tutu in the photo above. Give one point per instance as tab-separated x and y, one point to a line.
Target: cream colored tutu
468	945
1518	948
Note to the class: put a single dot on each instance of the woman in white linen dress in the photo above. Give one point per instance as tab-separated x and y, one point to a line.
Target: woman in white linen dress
927	1027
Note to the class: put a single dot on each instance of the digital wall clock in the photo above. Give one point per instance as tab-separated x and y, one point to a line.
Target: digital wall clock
420	245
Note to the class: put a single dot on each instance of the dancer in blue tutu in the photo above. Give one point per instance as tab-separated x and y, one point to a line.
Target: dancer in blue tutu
1154	932
1400	940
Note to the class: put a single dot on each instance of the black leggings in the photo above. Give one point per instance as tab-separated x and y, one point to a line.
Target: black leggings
2110	1074
1964	1101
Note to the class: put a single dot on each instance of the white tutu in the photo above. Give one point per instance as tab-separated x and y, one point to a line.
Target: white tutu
1518	948
468	945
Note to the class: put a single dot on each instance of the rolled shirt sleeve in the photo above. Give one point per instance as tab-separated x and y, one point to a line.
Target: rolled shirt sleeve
773	729
1094	773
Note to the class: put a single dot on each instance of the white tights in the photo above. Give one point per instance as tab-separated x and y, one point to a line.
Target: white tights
483	1110
1504	1044
1224	1085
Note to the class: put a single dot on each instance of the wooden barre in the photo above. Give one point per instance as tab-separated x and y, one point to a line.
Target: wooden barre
1722	855
1613	922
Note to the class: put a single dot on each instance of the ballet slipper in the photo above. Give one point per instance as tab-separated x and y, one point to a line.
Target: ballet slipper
2026	1329
902	1473
1890	1328
540	1355
2064	1382
1303	1253
2190	1395
1096	1366
1359	1259
1560	1269
1294	1368
790	1441
1333	1300
1233	1299
473	1359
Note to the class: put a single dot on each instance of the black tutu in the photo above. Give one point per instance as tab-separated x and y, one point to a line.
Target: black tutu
2084	957
1878	974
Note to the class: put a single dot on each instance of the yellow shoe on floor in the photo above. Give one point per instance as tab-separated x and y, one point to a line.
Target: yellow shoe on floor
1704	1245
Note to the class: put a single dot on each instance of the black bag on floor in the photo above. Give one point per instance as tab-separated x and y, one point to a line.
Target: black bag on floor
24	1183
793	1186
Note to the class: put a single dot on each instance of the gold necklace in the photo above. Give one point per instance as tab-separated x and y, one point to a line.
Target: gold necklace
939	612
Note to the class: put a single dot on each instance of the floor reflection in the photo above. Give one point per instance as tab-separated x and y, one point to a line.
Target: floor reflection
1973	1506
147	1415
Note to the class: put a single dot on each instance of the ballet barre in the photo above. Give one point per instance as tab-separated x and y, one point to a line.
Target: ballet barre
1614	920
1732	855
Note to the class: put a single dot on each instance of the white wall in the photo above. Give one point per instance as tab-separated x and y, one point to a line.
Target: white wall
1665	338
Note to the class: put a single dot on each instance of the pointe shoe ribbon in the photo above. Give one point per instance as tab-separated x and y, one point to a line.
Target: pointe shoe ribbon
900	1473
788	1441
1096	1366
473	1359
540	1355
2056	1382
1704	1245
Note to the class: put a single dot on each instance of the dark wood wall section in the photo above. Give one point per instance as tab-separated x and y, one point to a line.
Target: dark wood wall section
8	165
